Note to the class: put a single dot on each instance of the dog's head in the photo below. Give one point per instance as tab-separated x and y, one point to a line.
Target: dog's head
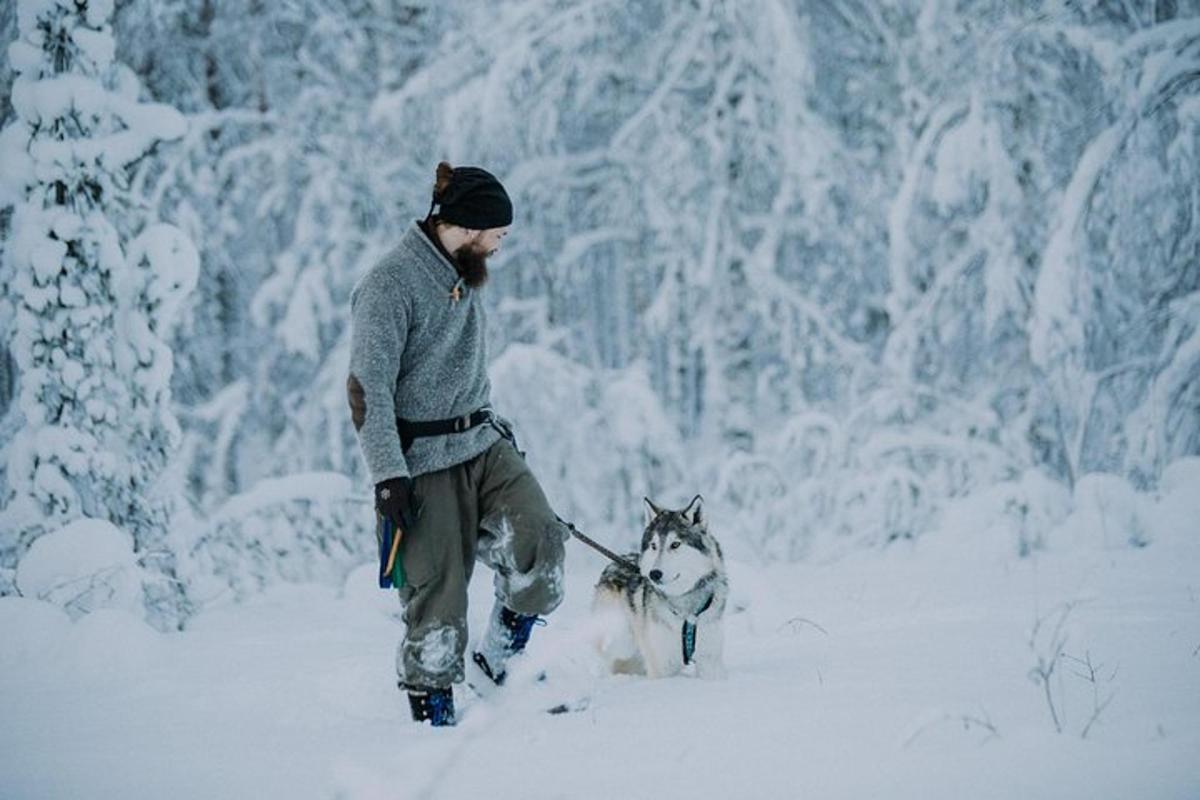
677	549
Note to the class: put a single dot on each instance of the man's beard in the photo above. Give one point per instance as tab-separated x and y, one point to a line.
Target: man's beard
471	265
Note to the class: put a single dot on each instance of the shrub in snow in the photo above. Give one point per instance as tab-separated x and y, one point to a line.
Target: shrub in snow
1178	506
881	507
298	528
1109	512
777	221
1021	512
84	314
85	565
883	472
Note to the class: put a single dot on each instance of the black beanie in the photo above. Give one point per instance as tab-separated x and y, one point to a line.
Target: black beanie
474	199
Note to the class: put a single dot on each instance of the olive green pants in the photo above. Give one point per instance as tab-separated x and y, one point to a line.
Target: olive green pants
489	508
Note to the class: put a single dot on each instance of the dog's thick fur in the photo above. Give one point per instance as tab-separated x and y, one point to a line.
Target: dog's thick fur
641	615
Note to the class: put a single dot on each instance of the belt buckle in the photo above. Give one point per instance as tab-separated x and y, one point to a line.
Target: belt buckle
462	423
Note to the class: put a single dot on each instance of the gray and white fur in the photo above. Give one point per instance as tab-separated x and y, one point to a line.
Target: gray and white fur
681	579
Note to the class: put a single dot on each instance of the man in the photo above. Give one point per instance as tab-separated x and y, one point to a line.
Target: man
450	485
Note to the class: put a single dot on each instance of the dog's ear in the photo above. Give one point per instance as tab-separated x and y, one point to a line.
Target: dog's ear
652	511
696	510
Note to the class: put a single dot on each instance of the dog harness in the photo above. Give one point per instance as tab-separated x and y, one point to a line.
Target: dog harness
689	632
689	627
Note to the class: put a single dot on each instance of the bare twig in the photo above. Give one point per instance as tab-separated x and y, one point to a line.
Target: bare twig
86	591
982	721
1089	674
1096	711
1049	655
794	621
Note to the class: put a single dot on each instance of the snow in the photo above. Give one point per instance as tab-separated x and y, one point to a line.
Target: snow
435	650
98	46
897	673
16	166
24	57
46	259
314	486
29	12
957	161
99	12
85	565
686	305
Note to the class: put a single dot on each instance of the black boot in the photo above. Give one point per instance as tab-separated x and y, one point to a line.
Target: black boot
432	705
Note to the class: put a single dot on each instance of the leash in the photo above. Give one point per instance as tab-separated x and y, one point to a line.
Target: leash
410	430
592	543
688	634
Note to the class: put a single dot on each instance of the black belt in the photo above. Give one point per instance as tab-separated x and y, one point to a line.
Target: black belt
410	429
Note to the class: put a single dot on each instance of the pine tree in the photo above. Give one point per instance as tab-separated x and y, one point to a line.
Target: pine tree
89	288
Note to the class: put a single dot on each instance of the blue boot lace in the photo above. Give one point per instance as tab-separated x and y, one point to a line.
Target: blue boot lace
435	706
519	627
441	707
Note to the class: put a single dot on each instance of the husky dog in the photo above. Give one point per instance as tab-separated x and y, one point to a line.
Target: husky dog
666	615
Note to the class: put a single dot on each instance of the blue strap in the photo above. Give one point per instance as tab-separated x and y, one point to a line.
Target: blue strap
689	633
689	641
385	548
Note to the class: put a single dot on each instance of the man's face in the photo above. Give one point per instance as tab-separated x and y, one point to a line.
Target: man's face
473	255
486	243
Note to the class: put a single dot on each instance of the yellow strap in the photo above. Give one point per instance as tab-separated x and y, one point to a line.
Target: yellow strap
395	551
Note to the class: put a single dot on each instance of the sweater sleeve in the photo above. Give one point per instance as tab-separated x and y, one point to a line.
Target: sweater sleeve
378	329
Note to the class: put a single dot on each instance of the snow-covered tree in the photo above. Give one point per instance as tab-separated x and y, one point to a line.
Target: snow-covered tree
1113	304
280	180
841	262
801	225
90	290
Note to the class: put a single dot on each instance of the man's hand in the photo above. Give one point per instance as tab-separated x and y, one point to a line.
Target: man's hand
394	500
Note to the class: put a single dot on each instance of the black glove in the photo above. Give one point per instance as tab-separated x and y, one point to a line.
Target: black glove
394	500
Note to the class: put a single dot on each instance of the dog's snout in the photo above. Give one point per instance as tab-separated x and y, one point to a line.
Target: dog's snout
656	575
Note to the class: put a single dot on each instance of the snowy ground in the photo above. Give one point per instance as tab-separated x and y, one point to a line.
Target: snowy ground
896	674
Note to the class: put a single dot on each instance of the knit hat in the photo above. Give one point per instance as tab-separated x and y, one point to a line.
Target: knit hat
471	198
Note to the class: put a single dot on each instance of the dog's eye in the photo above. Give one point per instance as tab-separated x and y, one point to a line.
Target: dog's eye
653	545
675	545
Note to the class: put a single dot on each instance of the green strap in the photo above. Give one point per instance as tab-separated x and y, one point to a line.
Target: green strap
398	576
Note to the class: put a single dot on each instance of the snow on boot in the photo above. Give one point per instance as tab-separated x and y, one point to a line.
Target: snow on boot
432	705
507	634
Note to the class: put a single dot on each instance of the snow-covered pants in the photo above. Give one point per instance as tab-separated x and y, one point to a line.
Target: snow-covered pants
489	508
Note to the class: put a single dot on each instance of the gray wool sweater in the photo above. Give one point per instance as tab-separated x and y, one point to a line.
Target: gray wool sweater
418	354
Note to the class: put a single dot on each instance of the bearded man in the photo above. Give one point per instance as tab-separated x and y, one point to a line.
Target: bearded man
451	487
